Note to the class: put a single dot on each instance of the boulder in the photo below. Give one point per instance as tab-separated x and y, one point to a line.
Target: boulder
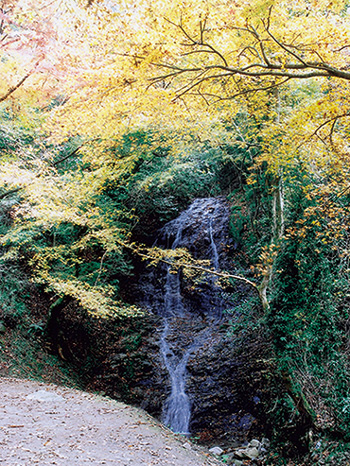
251	453
44	395
237	463
216	451
265	443
255	443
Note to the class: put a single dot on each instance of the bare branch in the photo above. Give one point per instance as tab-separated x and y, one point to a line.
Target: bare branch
269	17
11	191
186	34
14	88
253	51
202	29
267	61
75	151
175	68
342	48
280	73
192	52
251	29
286	49
331	134
185	89
275	70
263	66
217	53
325	123
203	97
318	55
247	91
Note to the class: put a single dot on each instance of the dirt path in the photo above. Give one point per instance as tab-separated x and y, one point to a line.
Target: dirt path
49	425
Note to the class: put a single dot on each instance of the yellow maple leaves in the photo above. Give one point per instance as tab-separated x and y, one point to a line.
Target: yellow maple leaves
172	65
187	71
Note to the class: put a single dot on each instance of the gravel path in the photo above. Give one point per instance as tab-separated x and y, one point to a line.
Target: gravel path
49	425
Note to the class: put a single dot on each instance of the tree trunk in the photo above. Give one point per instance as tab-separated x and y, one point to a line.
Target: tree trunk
52	325
277	233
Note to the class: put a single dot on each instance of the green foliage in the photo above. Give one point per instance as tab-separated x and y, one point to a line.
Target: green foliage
173	181
238	224
308	318
14	294
14	133
307	321
246	318
329	452
22	356
156	184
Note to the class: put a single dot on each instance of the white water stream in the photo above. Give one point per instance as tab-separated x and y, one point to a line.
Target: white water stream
177	408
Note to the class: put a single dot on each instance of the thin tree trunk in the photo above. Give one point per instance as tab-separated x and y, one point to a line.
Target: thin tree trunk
277	233
53	321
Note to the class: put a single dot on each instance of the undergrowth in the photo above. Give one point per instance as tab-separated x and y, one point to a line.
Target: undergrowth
24	357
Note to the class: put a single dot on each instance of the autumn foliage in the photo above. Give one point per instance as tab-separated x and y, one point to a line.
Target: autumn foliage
115	115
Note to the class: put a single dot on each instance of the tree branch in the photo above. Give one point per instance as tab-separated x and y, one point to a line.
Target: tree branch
148	256
296	66
325	123
285	48
74	152
11	191
57	162
245	92
14	88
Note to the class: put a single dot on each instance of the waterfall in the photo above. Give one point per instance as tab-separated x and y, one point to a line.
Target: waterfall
177	409
201	229
194	377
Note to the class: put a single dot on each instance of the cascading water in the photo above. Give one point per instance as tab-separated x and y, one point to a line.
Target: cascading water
192	373
201	229
177	407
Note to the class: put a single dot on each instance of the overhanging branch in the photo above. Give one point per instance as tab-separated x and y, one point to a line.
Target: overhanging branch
291	64
147	256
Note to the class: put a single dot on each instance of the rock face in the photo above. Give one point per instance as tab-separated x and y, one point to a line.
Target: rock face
200	372
179	363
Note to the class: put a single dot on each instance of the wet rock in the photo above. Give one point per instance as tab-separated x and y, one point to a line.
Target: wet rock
240	453
255	443
216	451
232	444
220	377
187	446
251	453
223	379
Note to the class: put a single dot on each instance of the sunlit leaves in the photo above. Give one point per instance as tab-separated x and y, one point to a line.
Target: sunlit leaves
172	65
185	71
60	226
